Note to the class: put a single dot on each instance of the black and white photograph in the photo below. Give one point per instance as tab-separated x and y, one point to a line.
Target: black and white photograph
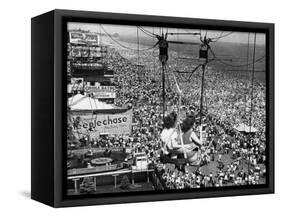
156	108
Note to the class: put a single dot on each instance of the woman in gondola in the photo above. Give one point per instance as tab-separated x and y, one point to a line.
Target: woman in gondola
175	142
169	135
191	143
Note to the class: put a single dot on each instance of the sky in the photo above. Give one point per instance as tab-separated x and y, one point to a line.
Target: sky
131	31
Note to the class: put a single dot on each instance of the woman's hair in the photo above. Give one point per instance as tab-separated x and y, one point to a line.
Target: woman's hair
170	120
187	123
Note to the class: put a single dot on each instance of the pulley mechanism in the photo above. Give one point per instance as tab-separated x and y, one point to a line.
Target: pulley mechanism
204	48
163	48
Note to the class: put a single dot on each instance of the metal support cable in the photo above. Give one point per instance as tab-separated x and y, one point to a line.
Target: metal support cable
122	45
252	83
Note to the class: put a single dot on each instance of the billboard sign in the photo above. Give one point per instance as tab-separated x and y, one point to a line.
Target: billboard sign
91	38
75	37
94	125
102	92
83	38
82	51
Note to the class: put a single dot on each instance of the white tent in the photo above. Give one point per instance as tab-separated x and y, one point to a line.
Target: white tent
81	102
245	128
74	99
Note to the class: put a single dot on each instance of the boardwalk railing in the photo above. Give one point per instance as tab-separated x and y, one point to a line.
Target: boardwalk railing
98	169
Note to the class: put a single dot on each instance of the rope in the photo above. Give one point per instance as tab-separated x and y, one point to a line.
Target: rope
246	84
252	83
194	70
252	95
221	36
101	45
122	45
146	32
177	60
138	53
154	64
179	106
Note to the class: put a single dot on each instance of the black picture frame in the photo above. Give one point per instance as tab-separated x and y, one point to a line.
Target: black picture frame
49	107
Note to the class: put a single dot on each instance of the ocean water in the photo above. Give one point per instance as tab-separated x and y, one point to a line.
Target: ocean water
231	54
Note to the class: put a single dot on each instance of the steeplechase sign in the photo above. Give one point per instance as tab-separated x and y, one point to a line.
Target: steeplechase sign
94	125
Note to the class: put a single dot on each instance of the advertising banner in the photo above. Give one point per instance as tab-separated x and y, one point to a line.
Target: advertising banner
80	51
102	92
83	38
75	37
94	125
92	38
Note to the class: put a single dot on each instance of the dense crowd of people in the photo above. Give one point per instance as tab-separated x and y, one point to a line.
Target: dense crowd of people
226	104
144	97
234	174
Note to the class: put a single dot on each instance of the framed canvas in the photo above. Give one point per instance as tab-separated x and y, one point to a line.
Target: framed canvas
134	108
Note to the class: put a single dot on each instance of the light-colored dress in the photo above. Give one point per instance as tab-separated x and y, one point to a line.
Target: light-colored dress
187	141
169	137
172	141
192	154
